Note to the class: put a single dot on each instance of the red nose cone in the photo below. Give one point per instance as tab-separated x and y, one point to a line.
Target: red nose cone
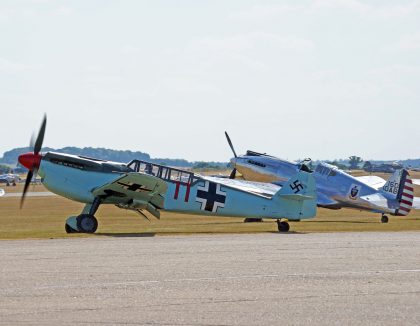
30	160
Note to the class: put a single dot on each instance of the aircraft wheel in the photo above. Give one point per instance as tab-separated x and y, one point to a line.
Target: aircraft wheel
384	219
69	229
251	220
87	223
283	226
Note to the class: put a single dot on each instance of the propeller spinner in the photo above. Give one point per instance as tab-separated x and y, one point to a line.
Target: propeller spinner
32	160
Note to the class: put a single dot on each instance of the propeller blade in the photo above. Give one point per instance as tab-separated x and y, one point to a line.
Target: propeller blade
25	188
232	174
32	142
40	137
230	144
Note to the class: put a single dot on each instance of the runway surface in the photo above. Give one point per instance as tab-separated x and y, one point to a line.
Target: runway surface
29	194
252	279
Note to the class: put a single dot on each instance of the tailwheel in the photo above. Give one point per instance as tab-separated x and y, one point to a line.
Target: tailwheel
87	223
69	229
384	219
283	226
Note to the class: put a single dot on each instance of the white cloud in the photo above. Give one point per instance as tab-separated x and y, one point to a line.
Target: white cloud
61	11
367	11
10	66
396	70
6	14
407	42
244	42
34	11
130	50
352	5
265	11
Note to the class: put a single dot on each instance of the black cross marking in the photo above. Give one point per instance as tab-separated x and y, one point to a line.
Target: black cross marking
211	197
133	187
296	186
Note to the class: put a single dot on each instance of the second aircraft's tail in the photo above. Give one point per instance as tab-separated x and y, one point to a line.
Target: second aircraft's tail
400	187
405	194
298	197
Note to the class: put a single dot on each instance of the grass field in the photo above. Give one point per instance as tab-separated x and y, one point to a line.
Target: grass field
44	217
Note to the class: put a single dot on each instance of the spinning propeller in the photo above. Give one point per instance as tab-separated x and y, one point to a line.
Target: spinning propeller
233	173
32	160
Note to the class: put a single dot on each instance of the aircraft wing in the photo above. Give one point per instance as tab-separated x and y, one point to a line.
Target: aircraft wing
142	191
372	181
325	201
258	188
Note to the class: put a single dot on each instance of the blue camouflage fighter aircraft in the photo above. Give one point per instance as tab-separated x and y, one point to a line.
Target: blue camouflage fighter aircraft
143	186
335	188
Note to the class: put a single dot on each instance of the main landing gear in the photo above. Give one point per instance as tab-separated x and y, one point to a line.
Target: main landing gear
283	226
85	222
384	218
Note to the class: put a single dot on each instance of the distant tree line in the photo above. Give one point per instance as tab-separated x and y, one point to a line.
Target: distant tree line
11	157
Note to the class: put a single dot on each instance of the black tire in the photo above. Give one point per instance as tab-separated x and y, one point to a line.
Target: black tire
283	226
69	229
87	223
384	219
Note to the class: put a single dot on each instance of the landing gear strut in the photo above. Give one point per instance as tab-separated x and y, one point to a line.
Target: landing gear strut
384	219
283	226
85	222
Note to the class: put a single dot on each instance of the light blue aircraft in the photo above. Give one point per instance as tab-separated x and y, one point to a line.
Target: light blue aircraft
142	186
335	188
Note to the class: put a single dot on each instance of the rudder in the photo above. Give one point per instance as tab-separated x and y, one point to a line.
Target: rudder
405	194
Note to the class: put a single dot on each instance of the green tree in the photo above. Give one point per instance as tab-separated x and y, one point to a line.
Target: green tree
354	161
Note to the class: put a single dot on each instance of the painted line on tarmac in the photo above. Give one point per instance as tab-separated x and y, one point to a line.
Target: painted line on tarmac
221	278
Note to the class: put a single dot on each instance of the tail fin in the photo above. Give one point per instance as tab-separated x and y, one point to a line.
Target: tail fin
298	197
400	187
392	185
405	194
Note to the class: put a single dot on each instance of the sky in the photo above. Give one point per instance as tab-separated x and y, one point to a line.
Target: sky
322	79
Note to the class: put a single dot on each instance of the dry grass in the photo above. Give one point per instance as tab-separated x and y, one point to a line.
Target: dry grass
44	217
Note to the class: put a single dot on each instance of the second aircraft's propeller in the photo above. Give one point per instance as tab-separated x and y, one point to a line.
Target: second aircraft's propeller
230	144
32	160
233	173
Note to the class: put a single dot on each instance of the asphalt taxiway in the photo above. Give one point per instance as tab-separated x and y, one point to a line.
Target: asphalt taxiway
251	279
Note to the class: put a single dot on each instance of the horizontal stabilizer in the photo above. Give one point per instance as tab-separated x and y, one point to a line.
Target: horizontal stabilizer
297	197
416	202
378	200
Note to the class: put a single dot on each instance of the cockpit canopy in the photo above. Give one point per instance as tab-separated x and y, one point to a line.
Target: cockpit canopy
252	153
326	169
162	171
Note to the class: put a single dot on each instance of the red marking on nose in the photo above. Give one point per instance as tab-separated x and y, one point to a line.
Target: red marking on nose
30	160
